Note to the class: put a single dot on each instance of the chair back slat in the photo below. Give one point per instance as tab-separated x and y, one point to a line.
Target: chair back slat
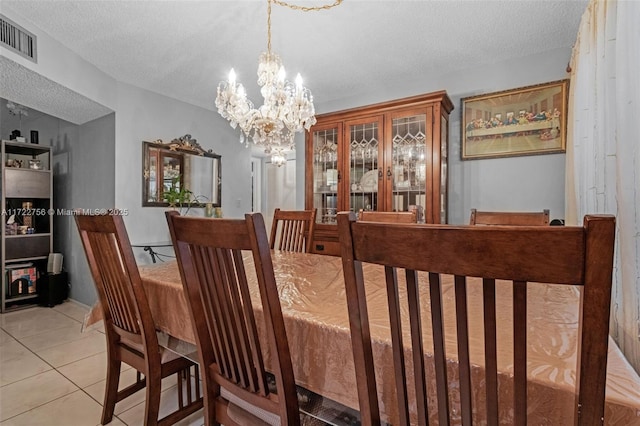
417	343
464	362
509	218
520	353
292	230
522	256
490	350
212	267
398	346
439	355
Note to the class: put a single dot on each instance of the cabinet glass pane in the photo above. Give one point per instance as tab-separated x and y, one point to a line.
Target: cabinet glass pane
443	169
325	174
409	168
363	166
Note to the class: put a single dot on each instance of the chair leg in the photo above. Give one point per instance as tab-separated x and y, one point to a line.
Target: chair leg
152	403
111	390
209	405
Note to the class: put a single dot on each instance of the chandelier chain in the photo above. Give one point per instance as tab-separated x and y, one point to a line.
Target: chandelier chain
307	8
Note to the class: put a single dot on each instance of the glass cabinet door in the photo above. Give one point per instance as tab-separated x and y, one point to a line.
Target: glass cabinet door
325	173
408	170
365	154
444	172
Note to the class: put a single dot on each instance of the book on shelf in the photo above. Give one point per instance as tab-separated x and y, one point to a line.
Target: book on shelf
21	278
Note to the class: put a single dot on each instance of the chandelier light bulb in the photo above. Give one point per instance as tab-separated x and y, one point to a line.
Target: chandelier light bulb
232	77
299	86
278	158
282	74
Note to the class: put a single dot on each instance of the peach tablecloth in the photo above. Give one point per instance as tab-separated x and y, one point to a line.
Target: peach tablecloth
314	306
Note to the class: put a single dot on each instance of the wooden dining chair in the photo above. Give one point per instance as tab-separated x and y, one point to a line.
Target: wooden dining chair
390	217
580	256
292	230
128	325
509	218
209	254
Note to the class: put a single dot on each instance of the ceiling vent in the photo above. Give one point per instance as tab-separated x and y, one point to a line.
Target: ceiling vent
18	39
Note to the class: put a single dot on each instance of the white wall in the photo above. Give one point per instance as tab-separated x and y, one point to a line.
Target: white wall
280	188
517	183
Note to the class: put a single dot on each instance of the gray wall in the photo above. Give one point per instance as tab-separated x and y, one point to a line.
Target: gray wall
517	183
83	178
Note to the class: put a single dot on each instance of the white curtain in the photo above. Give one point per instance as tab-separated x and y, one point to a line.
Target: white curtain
603	153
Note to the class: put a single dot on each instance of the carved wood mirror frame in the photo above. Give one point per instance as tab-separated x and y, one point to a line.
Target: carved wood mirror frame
181	164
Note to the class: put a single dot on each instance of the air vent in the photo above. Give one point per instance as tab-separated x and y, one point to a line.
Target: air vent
18	39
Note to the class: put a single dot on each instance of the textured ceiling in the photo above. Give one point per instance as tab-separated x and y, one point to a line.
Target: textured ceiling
182	49
37	92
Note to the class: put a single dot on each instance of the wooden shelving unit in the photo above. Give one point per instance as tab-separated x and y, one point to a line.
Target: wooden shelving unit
27	188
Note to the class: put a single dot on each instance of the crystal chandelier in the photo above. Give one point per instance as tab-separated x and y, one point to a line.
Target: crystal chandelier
287	108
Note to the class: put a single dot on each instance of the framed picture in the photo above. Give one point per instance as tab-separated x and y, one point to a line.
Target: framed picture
525	121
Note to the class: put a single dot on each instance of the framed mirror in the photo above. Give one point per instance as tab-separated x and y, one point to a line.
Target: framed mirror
179	173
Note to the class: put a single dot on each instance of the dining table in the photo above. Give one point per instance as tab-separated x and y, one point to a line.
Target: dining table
314	307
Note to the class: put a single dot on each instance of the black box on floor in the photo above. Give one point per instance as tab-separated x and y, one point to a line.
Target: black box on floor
53	289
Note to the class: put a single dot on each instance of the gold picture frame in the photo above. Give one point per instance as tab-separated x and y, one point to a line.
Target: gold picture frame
528	120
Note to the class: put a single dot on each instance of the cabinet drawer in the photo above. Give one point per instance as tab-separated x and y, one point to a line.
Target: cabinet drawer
325	240
26	246
330	248
26	183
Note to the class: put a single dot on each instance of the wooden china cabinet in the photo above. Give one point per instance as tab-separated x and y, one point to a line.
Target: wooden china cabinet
390	156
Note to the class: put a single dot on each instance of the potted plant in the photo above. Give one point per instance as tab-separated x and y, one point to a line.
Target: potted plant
181	198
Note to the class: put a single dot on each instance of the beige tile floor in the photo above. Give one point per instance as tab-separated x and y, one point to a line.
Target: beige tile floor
52	373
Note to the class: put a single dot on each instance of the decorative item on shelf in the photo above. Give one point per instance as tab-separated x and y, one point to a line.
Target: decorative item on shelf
287	108
15	134
217	212
208	210
27	217
369	181
11	227
35	164
34	137
12	162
